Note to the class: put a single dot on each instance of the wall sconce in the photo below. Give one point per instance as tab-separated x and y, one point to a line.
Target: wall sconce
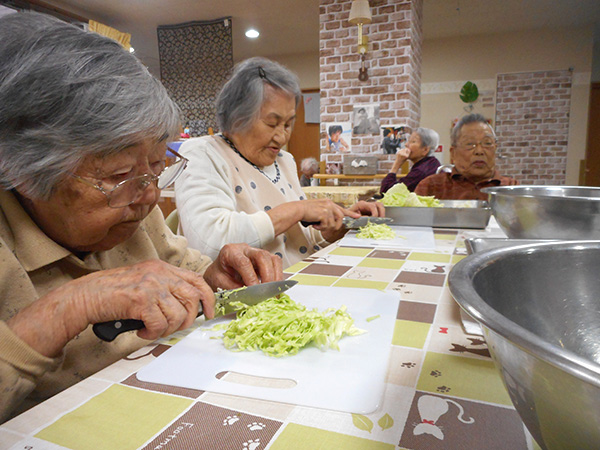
360	13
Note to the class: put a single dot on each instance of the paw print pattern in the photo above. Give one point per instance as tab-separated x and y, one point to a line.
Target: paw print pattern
254	426
252	444
443	389
230	420
408	365
435	373
402	289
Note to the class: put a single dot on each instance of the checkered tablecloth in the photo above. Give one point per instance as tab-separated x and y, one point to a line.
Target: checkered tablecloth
442	390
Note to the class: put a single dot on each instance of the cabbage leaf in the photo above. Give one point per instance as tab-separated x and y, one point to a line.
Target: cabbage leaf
280	326
399	195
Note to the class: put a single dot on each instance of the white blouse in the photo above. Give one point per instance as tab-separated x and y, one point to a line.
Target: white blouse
221	198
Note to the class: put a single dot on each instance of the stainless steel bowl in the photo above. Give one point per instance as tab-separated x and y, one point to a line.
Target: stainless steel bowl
546	212
539	306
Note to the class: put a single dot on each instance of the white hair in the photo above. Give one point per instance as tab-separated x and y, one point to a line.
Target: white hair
309	163
66	94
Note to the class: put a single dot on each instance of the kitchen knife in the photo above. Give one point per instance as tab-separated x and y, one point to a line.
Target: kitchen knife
250	295
350	222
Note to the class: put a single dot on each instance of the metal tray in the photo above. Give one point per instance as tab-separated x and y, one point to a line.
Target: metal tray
453	214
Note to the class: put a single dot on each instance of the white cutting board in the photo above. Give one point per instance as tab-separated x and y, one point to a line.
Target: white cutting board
349	380
409	238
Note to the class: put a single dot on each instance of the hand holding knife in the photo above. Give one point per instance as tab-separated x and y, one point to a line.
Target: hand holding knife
250	295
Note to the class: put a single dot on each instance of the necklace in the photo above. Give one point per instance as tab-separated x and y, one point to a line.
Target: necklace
272	180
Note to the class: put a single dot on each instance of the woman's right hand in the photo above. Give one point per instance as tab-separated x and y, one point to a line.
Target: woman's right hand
163	296
401	156
326	215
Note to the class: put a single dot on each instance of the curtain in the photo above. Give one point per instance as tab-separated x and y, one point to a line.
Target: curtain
196	58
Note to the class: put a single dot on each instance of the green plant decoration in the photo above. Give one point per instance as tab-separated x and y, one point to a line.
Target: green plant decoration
362	422
469	92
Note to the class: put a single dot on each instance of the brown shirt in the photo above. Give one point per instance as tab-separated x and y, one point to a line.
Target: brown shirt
454	186
31	264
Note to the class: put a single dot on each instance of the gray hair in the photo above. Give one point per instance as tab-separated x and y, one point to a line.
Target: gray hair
309	163
240	100
465	120
429	138
66	94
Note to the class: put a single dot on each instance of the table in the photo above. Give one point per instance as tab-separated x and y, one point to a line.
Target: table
442	390
323	177
343	195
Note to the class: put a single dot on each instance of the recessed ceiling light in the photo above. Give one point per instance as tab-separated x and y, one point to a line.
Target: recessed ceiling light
252	33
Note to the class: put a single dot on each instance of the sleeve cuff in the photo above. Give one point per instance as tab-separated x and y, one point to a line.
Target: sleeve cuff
264	227
17	353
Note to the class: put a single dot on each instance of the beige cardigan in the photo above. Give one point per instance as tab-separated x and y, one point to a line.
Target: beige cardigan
31	264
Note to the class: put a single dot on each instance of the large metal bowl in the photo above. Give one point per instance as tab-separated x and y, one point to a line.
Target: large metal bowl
546	212
539	307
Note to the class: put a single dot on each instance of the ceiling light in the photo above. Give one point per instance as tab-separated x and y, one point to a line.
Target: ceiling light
252	33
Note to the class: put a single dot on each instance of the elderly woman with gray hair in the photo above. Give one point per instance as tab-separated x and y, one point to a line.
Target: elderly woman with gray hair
308	167
241	186
419	151
83	132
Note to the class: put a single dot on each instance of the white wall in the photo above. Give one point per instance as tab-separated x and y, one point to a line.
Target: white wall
305	65
449	63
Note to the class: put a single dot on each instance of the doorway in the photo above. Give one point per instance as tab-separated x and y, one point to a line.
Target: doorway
305	140
591	174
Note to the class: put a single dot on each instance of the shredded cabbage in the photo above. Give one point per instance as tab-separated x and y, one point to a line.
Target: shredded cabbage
376	231
399	195
279	326
220	305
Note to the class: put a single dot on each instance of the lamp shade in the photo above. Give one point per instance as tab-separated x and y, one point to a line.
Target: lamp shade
360	12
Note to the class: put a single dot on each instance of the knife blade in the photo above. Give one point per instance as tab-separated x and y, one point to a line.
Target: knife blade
359	222
352	223
250	295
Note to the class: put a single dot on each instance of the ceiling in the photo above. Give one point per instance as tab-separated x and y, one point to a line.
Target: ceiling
292	26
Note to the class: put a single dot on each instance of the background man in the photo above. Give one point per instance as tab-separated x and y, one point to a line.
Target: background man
473	153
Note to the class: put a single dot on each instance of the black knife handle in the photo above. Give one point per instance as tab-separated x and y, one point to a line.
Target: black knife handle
306	223
108	331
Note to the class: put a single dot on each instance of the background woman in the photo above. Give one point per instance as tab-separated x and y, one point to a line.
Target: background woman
419	150
308	167
242	186
83	132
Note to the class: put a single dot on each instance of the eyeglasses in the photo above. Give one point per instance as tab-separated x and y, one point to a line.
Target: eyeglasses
486	144
131	190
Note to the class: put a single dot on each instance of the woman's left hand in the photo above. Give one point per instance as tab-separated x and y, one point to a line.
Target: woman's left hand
240	265
373	209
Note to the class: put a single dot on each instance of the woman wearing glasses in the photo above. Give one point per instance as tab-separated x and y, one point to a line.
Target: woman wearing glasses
473	153
83	132
241	186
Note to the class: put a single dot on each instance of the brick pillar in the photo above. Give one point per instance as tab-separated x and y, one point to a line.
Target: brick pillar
532	124
394	67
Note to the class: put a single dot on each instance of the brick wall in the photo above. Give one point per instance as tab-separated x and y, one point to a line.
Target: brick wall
532	123
394	68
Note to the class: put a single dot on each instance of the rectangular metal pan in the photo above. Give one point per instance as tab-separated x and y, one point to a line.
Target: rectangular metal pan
453	214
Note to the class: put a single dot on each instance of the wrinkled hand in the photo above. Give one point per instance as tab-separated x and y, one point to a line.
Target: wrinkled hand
163	296
373	209
240	265
326	213
403	154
